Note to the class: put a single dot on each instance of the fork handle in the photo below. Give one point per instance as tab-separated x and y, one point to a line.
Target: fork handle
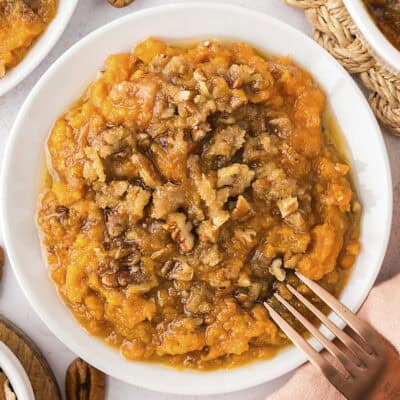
387	386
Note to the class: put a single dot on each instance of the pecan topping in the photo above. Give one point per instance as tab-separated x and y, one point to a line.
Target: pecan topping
180	231
84	382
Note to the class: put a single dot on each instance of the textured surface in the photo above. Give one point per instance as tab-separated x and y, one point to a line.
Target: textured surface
42	380
89	15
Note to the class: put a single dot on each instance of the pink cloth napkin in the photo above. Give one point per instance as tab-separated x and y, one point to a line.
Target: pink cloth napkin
381	310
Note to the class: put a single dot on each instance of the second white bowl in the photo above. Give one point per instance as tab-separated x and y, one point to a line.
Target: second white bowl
40	48
377	40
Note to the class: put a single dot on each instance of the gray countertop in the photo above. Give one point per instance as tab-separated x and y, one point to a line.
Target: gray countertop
89	15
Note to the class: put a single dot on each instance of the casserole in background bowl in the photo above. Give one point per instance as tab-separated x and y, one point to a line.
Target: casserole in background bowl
379	43
24	170
40	47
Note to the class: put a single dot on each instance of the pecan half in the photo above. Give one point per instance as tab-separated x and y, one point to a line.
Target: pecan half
120	3
84	382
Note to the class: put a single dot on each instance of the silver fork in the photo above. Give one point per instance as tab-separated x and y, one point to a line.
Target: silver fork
357	368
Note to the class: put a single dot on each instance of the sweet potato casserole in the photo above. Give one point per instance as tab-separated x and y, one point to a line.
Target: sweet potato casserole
184	187
21	22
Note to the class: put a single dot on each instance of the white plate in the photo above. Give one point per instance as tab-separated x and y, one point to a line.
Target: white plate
41	47
53	94
379	44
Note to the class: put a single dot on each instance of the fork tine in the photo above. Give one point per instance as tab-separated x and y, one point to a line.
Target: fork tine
341	310
348	367
351	344
315	358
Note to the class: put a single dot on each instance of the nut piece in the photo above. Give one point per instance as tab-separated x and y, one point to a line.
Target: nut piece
180	231
287	206
120	3
236	176
242	209
178	269
226	142
277	271
84	382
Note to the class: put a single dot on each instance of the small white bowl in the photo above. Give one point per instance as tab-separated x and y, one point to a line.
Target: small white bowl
377	40
53	94
40	48
15	373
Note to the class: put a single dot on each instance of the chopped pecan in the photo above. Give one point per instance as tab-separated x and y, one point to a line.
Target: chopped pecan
259	147
282	126
183	95
134	274
178	269
211	256
199	131
116	223
296	221
113	141
142	277
146	170
246	236
110	194
273	183
239	75
124	277
242	209
177	66
237	176
93	168
180	231
226	142
208	232
199	300
84	382
277	271
213	199
135	202
243	280
169	156
167	199
238	99
287	206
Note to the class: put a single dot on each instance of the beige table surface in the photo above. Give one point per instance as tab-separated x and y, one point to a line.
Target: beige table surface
89	15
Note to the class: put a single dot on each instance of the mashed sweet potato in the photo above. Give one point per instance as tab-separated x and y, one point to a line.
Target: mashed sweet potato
186	186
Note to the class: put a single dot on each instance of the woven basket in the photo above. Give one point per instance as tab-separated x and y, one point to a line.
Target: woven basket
334	30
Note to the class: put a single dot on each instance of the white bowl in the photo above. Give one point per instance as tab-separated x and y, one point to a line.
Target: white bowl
53	94
377	40
15	373
41	47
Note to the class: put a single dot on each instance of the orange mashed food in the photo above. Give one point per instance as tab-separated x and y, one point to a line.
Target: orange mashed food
185	187
21	22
